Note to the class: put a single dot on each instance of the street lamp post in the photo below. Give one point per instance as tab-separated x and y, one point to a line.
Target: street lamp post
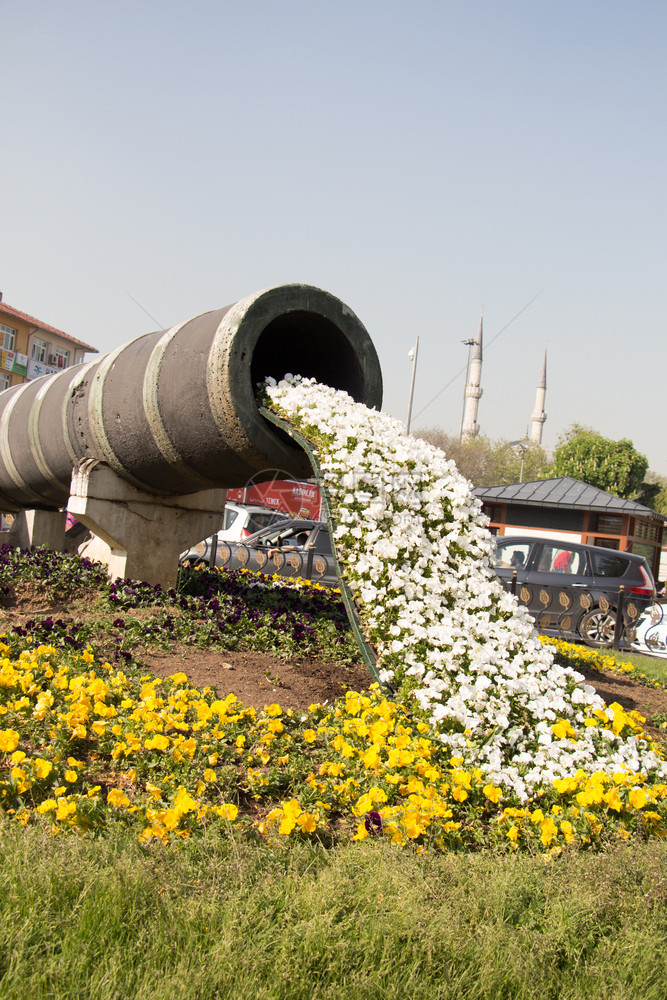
412	355
523	447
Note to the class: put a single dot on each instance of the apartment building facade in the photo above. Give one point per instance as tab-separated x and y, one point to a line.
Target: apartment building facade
30	348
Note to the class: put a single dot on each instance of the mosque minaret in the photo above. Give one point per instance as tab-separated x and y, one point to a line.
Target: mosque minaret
473	389
539	415
473	393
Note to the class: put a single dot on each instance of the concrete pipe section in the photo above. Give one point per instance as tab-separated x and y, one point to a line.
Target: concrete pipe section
173	413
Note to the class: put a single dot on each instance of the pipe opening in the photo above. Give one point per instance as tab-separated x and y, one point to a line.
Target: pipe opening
308	344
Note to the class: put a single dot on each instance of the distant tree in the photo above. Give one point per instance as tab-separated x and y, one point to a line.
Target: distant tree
614	466
523	463
654	492
660	501
485	462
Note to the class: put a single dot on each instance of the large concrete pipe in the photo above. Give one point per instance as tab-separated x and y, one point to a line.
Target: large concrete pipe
174	412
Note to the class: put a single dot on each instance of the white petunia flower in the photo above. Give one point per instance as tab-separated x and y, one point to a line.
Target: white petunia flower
416	553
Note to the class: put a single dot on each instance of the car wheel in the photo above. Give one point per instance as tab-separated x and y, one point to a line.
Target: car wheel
597	627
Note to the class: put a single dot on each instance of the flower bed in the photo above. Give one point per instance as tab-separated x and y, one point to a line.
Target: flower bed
212	608
89	738
84	744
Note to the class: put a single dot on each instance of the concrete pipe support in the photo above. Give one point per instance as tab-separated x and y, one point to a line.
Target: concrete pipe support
174	412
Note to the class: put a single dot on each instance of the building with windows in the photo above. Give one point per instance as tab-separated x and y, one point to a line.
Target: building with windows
30	348
566	508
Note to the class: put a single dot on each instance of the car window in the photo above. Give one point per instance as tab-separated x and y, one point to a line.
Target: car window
322	543
511	554
286	534
257	520
562	559
606	563
230	517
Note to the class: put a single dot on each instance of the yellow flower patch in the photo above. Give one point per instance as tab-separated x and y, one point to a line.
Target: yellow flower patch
81	742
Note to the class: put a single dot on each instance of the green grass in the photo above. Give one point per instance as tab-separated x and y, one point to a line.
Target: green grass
211	920
650	670
652	667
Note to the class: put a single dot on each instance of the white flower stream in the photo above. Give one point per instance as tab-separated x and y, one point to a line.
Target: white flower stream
415	551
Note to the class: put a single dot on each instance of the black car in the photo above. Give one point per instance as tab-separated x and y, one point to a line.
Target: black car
573	589
292	548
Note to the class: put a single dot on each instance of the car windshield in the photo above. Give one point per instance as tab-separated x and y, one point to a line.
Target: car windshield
283	536
259	520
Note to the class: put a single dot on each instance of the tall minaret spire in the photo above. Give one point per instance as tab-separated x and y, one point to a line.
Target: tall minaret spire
473	390
539	415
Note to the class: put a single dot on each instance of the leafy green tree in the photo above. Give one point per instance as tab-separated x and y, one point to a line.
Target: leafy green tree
660	501
614	466
489	463
654	492
524	463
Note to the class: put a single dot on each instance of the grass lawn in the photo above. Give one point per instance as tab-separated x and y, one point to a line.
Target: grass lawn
109	920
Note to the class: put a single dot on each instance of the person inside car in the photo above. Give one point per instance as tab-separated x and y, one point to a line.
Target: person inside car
298	542
563	562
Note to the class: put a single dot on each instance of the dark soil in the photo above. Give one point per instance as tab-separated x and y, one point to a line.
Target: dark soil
259	679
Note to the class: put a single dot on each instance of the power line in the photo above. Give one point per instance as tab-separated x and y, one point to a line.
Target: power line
137	303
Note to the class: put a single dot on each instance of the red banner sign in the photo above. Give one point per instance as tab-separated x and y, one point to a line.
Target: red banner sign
299	499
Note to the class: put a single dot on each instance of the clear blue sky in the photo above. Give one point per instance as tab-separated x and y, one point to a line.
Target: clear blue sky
419	160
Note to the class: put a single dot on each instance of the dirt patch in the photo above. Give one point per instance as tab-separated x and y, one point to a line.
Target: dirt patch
260	679
649	702
255	678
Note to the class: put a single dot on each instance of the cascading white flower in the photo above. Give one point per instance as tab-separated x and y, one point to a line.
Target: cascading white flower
416	553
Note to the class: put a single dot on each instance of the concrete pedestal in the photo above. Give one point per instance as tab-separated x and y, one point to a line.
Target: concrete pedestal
142	534
38	527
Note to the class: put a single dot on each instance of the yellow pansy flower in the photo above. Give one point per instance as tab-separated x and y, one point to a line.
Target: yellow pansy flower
226	811
9	739
638	798
492	793
118	798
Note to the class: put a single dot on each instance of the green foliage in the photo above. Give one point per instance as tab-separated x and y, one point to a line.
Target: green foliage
654	492
613	466
489	463
212	608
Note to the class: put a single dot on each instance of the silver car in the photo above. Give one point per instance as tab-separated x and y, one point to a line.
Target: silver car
291	548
